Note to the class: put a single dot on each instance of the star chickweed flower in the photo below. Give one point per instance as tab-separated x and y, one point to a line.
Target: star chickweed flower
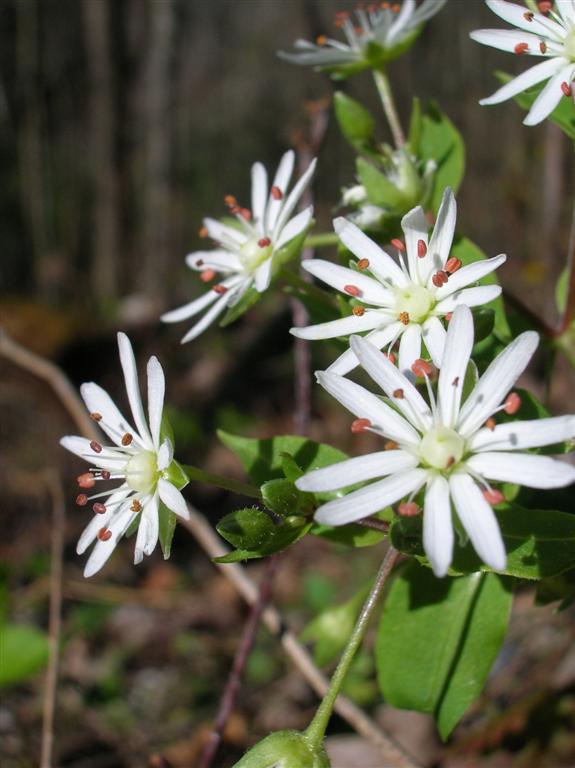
401	302
139	458
452	449
549	34
247	254
382	32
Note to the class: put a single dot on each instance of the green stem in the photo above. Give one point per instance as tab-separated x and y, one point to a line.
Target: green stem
322	240
297	281
200	476
316	730
388	103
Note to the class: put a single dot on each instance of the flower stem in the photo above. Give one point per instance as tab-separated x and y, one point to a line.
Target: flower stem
322	240
297	281
226	483
388	103
316	730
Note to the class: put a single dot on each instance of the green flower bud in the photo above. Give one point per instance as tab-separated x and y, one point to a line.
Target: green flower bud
284	749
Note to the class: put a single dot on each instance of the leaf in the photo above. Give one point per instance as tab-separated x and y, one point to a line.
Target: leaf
355	122
380	191
167	521
255	535
263	459
351	535
441	142
563	115
561	289
437	640
24	651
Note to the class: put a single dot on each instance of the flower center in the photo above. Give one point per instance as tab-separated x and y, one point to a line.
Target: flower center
142	471
569	45
415	300
252	254
441	448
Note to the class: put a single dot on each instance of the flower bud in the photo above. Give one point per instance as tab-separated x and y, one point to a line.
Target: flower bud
284	749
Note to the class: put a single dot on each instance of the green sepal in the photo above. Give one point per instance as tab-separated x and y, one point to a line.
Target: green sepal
380	190
166	429
247	301
284	749
483	321
290	467
561	289
355	122
283	498
176	475
255	535
167	522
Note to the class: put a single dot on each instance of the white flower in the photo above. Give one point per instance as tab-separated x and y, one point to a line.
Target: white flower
245	254
445	446
550	35
381	34
401	302
138	459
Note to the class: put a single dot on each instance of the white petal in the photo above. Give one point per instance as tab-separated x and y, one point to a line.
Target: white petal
550	96
525	80
103	549
344	326
370	499
458	346
518	435
281	181
470	297
469	274
496	382
409	349
156	390
395	30
81	447
113	422
293	199
259	195
165	454
295	227
230	237
100	521
366	405
128	362
515	14
380	263
356	470
148	530
437	525
218	260
442	237
380	338
190	309
434	338
371	292
390	379
508	39
173	499
414	225
479	520
263	275
223	301
523	469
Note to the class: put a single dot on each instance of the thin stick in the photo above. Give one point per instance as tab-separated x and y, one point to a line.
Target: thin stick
388	104
55	623
391	753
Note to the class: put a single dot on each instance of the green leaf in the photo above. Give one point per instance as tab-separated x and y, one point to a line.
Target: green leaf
255	535
263	459
167	521
437	640
441	142
563	115
351	535
355	122
290	467
561	291
23	651
380	191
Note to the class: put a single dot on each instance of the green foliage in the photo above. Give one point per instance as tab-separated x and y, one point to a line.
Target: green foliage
254	534
557	588
167	522
539	542
355	122
563	115
247	301
351	535
23	651
282	497
415	126
561	289
440	141
380	190
437	640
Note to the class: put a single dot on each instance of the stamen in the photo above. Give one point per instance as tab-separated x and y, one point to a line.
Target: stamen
87	480
358	311
203	232
98	508
390	356
96	416
136	506
104	534
360	425
450	462
390	446
207	275
455	382
566	88
493	496
230	201
221	289
104	474
353	290
448	316
512	404
81	499
490	423
404	318
422	368
543	47
127	439
398	393
246	214
396	7
96	447
321	40
408	509
363	264
544	6
421	249
528	16
200	263
399	244
439	278
276	193
264	242
452	265
521	47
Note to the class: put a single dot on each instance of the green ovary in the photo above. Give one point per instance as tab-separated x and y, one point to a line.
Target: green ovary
142	471
442	448
416	301
252	255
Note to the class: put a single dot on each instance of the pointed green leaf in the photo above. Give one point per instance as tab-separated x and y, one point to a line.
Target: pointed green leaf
355	122
167	520
441	142
380	191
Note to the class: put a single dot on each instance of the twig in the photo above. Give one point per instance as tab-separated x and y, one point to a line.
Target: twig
391	753
55	377
55	623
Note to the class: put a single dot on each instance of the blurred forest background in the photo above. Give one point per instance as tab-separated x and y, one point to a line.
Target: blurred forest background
123	123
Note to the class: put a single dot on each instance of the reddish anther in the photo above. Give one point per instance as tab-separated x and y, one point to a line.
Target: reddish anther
104	474
390	446
528	16
98	508
221	289
264	242
96	447
207	275
448	316
543	47
512	404
408	509
566	88
87	480
421	368
421	249
230	201
439	278
404	318
398	393
493	496
127	439
321	40
353	290
203	232
358	311
360	425
363	264
246	214
276	193
199	263
545	6
521	47
104	534
452	265
81	499
96	416
490	423
136	506
399	244
390	356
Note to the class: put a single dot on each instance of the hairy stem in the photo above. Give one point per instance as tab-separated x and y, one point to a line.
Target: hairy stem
388	103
